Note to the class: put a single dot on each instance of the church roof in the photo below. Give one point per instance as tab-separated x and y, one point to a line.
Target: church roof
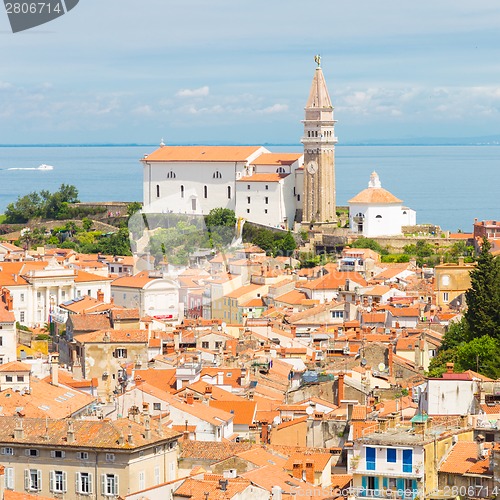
375	194
277	159
202	153
318	95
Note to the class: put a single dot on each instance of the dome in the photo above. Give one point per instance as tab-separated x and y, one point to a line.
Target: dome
375	194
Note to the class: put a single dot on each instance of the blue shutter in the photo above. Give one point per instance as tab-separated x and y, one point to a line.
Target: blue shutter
400	485
375	483
407	460
385	482
370	458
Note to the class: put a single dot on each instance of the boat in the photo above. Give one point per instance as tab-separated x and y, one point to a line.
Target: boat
45	167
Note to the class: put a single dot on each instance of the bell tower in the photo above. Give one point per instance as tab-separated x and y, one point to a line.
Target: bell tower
319	153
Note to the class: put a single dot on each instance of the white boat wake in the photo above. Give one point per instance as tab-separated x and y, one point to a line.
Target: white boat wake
41	167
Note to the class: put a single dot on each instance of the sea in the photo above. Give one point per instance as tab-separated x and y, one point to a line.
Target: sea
448	186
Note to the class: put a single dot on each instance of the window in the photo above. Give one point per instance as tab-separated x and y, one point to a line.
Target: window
217	175
82	455
205	191
193	204
446	296
32	480
265	210
84	483
157	406
8	451
157	190
378	217
171	175
248	199
204	345
8	378
298	197
229	192
57	454
20	378
21	316
337	314
407	460
248	186
445	280
267	187
109	484
58	481
110	457
182	191
89	292
391	455
280	170
248	210
142	480
22	297
157	475
9	478
370	458
266	199
218	344
31	453
120	353
63	294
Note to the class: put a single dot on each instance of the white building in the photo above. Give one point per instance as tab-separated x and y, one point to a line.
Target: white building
377	212
256	184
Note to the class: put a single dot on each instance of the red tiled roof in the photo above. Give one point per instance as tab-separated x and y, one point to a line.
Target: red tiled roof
201	154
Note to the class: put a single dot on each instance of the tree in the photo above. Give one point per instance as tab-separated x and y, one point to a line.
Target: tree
483	297
286	245
368	243
480	354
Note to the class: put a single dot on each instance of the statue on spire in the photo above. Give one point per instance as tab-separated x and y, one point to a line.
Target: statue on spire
317	60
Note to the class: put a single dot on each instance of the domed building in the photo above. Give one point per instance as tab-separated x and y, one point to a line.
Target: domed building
377	212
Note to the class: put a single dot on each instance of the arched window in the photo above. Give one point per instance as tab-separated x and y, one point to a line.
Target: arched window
157	190
217	175
171	175
229	192
280	170
378	217
205	191
182	191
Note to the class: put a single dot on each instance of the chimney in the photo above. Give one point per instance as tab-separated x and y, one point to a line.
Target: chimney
71	432
297	470
264	433
54	368
121	439
382	424
464	421
340	388
390	359
310	471
18	429
147	428
358	333
189	398
481	453
223	484
130	437
449	367
100	295
293	331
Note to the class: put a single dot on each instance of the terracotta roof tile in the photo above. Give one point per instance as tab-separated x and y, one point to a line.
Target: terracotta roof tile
201	154
463	457
277	159
244	411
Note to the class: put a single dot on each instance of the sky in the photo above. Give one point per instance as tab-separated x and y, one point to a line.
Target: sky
238	71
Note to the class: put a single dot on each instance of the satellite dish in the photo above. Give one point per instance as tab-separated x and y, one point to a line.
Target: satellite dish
369	309
223	324
363	362
309	410
276	420
381	367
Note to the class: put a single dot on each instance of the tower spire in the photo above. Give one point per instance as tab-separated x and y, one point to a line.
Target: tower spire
319	153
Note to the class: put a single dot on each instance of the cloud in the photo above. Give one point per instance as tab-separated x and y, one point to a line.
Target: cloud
275	108
200	92
144	110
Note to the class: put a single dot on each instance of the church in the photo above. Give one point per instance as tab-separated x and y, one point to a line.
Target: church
268	188
272	189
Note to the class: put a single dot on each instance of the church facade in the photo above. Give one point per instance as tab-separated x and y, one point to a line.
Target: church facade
272	189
